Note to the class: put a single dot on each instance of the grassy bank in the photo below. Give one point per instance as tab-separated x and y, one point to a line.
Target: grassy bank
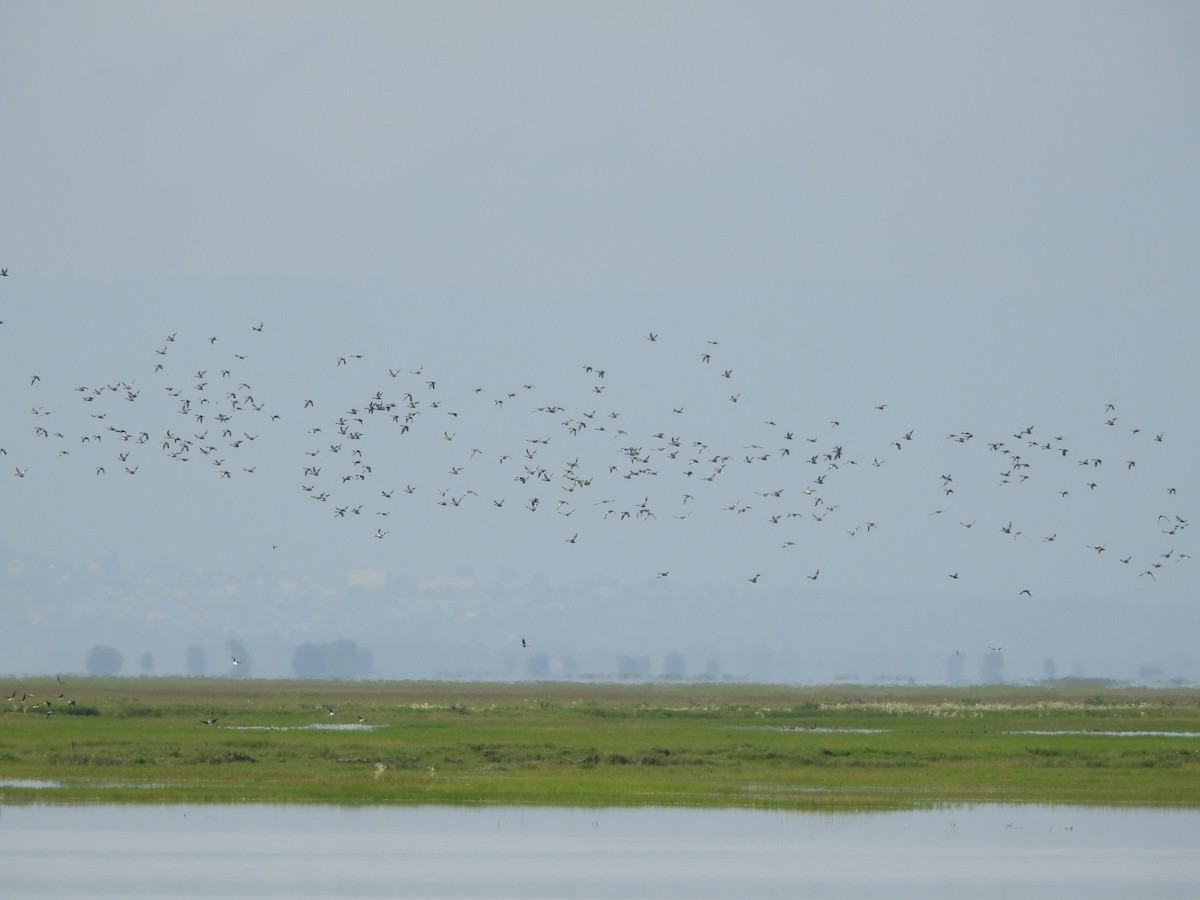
145	740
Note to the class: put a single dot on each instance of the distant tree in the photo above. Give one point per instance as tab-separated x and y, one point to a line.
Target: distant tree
992	670
146	663
1148	673
104	660
342	660
633	666
195	663
712	668
539	666
674	666
1050	669
955	663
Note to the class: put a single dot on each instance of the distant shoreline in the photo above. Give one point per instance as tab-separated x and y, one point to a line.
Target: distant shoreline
175	740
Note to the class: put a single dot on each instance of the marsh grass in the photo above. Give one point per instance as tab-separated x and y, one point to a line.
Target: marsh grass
144	740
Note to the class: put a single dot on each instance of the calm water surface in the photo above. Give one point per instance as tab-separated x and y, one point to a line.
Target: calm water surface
499	852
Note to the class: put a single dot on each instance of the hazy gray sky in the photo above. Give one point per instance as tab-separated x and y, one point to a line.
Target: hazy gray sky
980	217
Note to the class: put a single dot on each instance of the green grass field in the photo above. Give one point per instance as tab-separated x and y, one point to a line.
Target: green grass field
145	740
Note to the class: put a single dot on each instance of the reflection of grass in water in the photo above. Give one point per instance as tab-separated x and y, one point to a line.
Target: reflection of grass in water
585	744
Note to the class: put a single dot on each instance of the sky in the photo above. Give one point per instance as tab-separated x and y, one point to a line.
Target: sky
794	342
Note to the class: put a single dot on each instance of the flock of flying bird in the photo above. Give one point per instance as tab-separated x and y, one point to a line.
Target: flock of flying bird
577	457
29	701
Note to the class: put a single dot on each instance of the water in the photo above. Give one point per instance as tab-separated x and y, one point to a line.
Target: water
140	851
1170	734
